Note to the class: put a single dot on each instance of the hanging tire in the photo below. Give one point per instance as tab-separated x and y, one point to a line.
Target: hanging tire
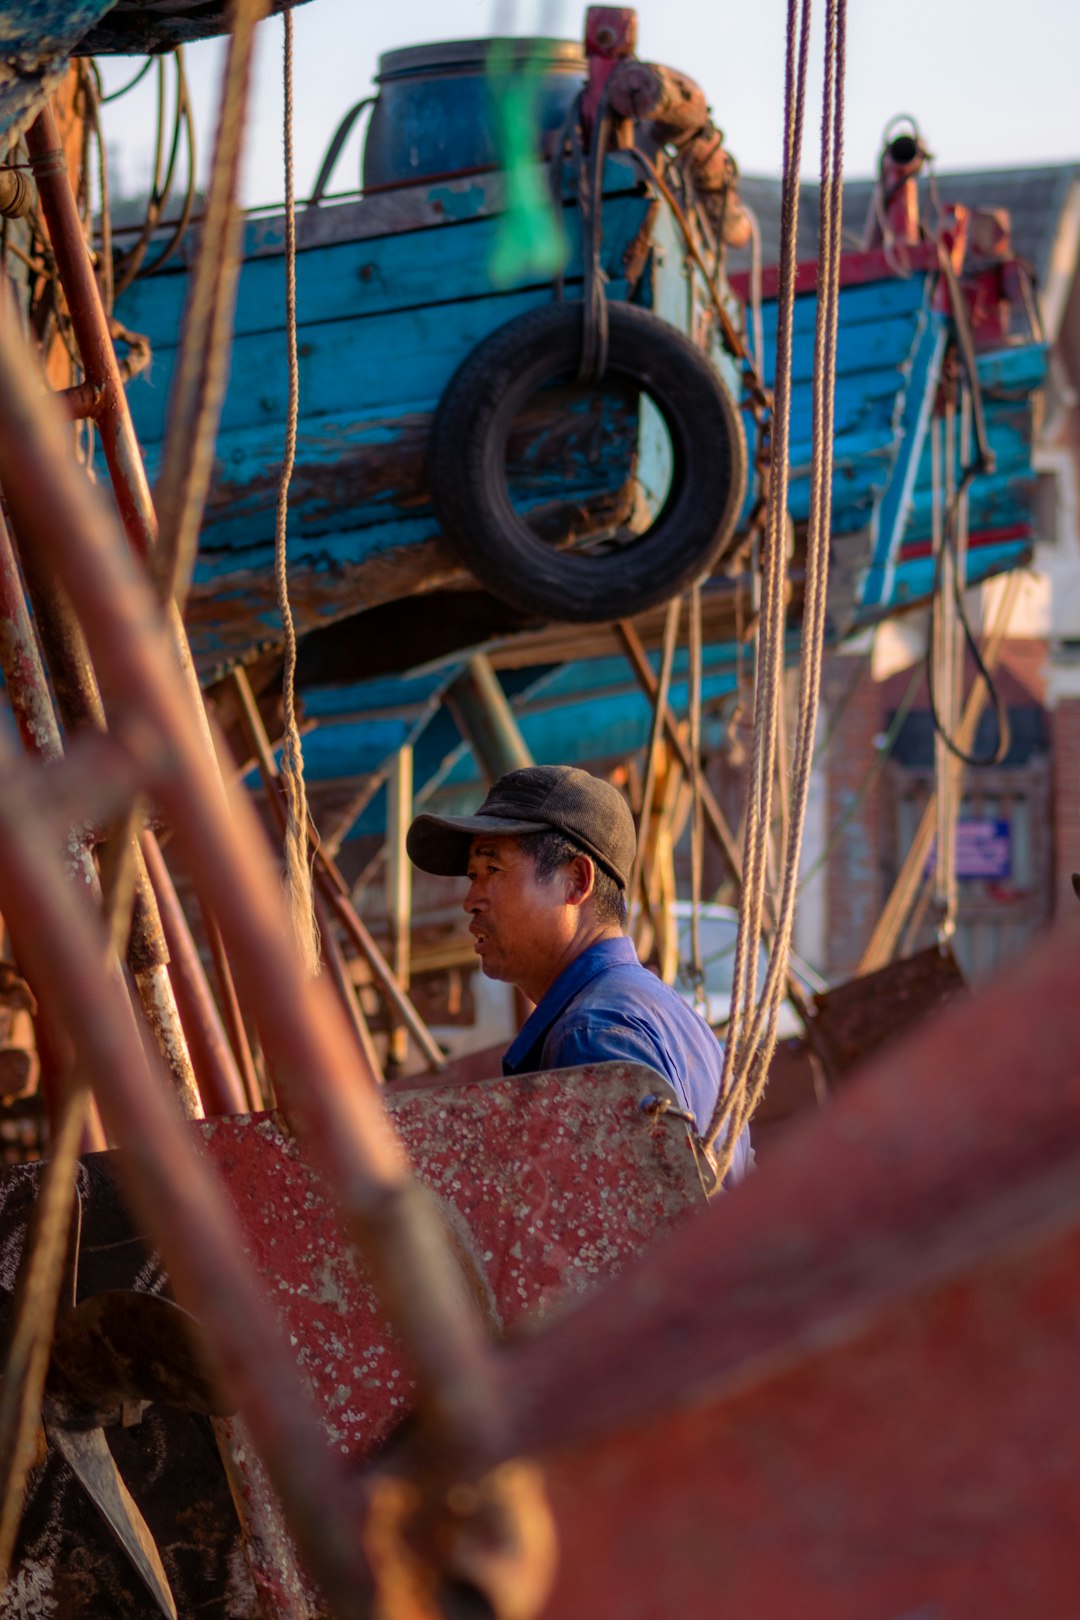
468	477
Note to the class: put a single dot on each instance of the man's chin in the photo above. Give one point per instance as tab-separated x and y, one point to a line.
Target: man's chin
491	970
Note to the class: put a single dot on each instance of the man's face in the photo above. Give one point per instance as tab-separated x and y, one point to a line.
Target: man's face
521	927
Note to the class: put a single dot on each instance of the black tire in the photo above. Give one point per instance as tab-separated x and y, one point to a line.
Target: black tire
467	471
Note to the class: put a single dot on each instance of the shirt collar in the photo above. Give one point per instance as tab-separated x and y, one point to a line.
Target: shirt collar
604	954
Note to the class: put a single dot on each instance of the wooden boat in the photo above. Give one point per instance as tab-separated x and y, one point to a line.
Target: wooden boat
397	297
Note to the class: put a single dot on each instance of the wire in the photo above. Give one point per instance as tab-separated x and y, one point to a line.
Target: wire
114	95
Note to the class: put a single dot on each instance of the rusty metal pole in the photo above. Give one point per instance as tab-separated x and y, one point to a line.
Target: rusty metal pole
79	702
174	1191
112	415
231	1014
316	1065
348	994
31	703
220	1084
650	684
399	799
486	720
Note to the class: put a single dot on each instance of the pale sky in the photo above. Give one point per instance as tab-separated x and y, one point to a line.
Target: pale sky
992	84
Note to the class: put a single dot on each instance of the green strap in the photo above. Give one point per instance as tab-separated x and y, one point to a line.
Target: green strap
529	236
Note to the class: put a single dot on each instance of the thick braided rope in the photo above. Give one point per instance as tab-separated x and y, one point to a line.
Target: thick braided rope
298	881
751	1080
817	550
697	825
770	629
736	1108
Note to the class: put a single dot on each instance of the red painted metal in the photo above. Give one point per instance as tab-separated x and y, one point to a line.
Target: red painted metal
610	38
547	1185
843	1389
896	210
911	550
855	269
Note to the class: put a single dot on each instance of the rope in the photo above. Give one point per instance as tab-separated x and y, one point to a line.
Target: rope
697	829
749	1053
949	584
298	879
594	332
941	666
770	619
888	926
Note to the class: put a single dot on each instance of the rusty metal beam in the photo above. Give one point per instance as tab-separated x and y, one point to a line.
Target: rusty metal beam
399	805
230	1011
220	1085
62	947
79	702
329	882
104	384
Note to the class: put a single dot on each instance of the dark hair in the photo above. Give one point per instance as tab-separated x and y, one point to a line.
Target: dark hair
551	850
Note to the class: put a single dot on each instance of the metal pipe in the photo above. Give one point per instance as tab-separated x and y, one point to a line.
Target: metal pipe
894	208
112	415
113	418
486	721
220	1084
79	701
31	703
230	1011
399	801
347	992
330	1093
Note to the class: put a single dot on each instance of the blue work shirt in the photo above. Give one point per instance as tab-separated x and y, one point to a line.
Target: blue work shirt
606	1006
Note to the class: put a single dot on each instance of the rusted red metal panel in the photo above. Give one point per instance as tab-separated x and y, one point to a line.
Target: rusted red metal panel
846	1389
547	1185
928	1470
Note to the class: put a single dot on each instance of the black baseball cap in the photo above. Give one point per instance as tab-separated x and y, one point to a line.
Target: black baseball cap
539	798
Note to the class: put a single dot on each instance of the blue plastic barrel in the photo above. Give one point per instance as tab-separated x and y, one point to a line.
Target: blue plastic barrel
434	113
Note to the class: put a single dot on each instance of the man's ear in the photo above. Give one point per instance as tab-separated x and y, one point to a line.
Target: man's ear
580	877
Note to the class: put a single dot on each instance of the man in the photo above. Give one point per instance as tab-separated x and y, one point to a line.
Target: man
548	856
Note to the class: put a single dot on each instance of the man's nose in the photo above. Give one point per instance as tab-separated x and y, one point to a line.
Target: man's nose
472	900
